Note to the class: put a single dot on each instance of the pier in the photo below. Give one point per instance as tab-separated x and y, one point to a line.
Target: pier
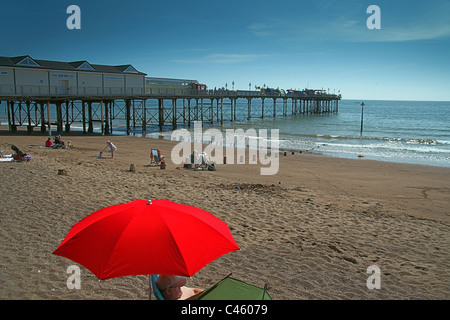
46	96
163	111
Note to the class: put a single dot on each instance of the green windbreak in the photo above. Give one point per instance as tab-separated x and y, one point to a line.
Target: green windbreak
232	289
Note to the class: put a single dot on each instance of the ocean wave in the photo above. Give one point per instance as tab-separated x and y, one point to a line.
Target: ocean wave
423	141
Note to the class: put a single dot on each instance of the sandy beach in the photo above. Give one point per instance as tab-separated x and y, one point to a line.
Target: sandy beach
310	231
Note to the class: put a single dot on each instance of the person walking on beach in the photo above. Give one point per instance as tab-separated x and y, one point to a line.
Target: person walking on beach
112	148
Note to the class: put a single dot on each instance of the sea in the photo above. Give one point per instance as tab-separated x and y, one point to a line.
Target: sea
415	132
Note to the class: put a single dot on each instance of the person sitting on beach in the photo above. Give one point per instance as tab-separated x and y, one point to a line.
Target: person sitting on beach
48	143
172	288
195	158
58	143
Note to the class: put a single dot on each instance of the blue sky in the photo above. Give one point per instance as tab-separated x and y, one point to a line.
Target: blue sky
286	44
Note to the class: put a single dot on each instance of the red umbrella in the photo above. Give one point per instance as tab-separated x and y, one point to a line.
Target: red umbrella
147	237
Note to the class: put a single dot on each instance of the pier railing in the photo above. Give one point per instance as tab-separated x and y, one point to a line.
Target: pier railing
22	92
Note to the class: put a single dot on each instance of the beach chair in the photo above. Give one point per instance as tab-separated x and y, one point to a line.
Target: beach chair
203	162
19	155
200	162
155	289
155	157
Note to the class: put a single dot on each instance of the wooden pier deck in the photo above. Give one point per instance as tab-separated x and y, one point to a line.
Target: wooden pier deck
163	111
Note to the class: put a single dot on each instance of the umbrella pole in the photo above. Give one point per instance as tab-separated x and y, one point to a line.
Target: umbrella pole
150	289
